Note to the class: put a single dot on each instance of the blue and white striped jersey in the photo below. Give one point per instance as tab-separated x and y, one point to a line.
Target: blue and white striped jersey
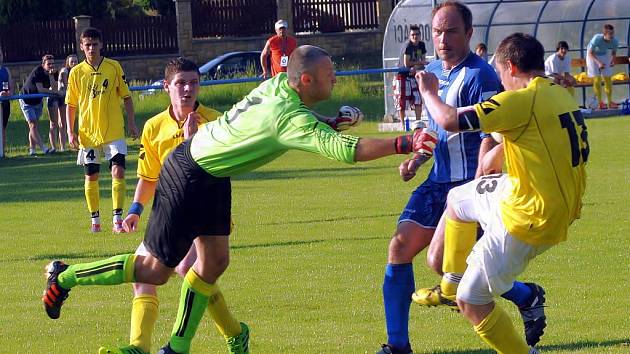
471	81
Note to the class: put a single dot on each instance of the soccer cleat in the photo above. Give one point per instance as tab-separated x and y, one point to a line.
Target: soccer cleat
130	349
602	105
434	297
239	344
167	350
388	349
117	228
95	228
533	315
54	295
32	152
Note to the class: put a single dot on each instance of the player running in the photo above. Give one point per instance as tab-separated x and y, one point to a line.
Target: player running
192	201
526	211
94	88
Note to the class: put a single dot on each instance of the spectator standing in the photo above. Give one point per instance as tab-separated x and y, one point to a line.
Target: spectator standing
6	86
280	47
412	58
558	67
62	85
601	52
38	81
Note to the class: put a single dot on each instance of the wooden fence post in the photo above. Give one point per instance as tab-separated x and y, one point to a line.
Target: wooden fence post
184	27
384	11
285	12
80	23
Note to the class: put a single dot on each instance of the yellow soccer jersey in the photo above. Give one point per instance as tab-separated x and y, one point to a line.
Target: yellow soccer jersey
96	92
546	148
160	135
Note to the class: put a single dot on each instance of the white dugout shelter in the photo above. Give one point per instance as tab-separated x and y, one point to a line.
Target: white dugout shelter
573	21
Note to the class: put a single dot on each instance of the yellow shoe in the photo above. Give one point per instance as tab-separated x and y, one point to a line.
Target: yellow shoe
434	297
123	350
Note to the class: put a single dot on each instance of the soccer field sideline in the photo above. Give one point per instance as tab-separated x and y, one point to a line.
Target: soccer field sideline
308	255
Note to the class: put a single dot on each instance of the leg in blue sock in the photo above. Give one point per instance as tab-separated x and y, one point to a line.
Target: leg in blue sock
397	289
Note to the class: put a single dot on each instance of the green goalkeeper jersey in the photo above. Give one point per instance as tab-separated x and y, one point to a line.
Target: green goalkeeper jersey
268	122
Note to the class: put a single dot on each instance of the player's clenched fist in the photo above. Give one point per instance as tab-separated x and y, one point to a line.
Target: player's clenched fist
347	117
422	141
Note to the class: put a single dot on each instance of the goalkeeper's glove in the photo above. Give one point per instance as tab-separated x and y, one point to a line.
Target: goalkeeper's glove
347	117
422	141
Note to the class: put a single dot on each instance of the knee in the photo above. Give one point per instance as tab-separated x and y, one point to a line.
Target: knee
144	289
434	262
399	249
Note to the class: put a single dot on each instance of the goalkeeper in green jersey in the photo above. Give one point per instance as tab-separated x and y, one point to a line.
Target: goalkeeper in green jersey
192	203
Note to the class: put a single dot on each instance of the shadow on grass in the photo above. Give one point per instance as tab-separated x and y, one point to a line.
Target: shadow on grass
580	345
310	173
342	218
76	255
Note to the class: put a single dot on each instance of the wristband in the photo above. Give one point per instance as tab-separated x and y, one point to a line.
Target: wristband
135	208
403	144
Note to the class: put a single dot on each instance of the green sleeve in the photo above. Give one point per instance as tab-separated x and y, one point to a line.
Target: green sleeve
301	130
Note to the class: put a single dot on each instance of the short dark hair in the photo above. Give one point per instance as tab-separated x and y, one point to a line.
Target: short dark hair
92	33
522	50
47	57
609	27
414	28
463	10
562	44
481	46
302	60
178	65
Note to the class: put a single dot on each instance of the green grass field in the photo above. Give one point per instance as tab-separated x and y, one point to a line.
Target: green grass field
308	255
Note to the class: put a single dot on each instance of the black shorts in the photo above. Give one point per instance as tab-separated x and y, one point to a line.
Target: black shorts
6	112
189	202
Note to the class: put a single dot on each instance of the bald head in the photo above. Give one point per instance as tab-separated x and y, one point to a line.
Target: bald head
303	60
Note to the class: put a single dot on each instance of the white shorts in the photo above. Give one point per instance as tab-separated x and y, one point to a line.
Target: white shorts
183	266
498	257
592	70
93	154
406	93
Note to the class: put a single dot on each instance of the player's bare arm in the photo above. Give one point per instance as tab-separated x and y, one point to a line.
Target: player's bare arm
487	145
443	114
145	190
70	117
132	129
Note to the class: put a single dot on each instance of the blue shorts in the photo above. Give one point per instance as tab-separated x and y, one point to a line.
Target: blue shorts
427	203
32	112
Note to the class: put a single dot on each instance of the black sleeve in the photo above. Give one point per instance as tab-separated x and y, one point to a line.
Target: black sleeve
409	49
423	48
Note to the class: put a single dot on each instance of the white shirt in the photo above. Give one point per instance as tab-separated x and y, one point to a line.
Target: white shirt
555	65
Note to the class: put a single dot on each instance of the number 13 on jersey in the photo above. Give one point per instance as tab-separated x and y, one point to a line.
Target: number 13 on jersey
577	150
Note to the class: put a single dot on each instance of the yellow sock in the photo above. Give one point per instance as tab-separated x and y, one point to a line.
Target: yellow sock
218	310
118	193
144	314
92	195
499	333
608	88
597	88
459	239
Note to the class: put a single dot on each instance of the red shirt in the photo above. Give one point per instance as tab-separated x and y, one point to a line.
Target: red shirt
279	47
